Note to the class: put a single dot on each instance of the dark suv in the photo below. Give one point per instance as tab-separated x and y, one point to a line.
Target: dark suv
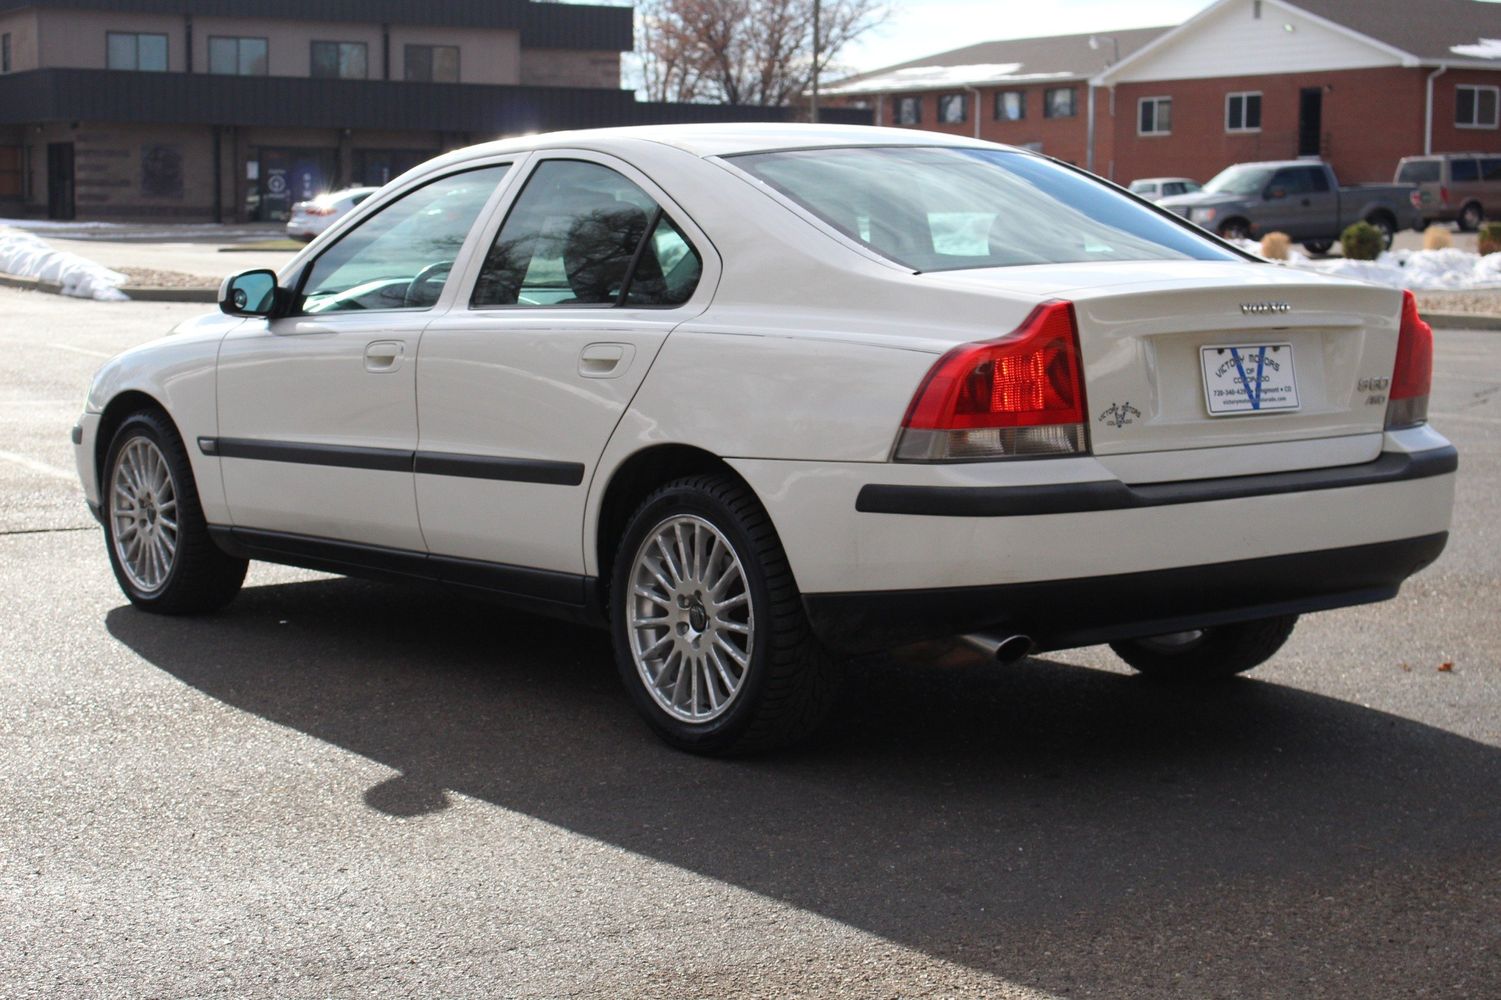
1455	187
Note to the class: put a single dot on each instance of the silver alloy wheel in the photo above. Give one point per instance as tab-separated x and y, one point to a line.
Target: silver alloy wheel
691	620
143	514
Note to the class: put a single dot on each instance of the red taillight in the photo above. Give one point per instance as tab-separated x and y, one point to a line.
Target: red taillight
1443	196
1020	395
320	210
1412	376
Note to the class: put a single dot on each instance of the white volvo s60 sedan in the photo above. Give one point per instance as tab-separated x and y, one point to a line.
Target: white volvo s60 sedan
759	397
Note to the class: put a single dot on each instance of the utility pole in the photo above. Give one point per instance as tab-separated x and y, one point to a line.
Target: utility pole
817	44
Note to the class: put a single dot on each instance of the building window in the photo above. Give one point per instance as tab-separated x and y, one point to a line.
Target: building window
10	171
130	50
1243	112
1154	116
237	56
1475	107
432	63
1058	102
908	110
951	109
5	53
341	60
1010	105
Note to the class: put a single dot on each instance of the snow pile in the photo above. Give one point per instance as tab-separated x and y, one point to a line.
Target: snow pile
26	256
1446	270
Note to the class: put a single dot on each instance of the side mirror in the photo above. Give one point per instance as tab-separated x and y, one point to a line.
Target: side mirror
251	293
1274	193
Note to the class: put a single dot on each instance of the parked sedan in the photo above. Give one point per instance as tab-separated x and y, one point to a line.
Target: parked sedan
310	218
1157	188
758	397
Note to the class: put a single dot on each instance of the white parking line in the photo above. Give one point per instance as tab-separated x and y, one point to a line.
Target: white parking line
83	350
42	467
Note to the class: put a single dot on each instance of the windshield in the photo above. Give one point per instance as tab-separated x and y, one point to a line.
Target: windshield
941	208
1239	180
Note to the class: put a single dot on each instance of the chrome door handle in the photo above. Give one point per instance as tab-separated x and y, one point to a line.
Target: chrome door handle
605	360
384	356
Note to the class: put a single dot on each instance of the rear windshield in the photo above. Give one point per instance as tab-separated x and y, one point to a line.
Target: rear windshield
943	209
1418	172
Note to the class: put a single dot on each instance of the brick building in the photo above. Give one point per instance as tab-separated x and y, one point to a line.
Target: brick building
1360	83
1031	92
233	109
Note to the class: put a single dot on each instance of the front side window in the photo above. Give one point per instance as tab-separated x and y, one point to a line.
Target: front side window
908	110
432	63
1243	112
236	56
1011	105
1475	106
399	258
1155	116
341	60
135	51
951	109
1299	180
941	208
582	234
1058	102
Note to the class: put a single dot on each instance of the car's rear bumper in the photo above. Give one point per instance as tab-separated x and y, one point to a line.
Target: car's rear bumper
1058	614
886	553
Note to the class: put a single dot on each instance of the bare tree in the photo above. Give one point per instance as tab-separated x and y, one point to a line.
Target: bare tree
743	51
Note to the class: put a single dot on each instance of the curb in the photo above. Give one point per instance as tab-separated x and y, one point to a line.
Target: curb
135	293
1462	321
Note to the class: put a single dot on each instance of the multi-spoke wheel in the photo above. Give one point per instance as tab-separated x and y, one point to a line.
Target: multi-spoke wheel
143	515
158	542
692	621
1208	653
708	625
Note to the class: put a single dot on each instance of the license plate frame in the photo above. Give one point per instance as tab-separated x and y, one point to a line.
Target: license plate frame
1229	369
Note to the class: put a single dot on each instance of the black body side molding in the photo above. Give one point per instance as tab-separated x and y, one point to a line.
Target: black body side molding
434	463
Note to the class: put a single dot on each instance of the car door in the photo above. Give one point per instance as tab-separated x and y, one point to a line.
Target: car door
520	386
317	409
1290	208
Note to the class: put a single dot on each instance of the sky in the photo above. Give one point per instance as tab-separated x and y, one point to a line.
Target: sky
917	28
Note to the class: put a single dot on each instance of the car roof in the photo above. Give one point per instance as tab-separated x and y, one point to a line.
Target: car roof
725	138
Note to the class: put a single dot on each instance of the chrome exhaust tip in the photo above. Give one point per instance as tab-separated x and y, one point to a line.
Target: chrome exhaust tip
1001	648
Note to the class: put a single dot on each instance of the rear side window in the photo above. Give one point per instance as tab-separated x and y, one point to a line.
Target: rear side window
1490	169
582	234
1418	172
936	208
1461	171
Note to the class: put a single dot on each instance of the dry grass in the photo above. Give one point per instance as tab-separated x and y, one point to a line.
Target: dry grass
1437	238
1274	246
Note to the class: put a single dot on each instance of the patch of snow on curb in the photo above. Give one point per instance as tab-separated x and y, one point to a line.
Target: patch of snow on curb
1448	270
26	256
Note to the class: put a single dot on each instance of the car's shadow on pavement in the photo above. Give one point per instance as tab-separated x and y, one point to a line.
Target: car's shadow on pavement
1074	830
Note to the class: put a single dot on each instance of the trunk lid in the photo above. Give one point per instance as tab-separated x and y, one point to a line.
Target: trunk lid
1143	331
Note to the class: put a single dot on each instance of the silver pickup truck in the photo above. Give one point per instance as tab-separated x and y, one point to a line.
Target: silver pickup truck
1301	198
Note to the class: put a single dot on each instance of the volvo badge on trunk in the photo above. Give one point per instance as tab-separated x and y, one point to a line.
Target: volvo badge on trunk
1264	308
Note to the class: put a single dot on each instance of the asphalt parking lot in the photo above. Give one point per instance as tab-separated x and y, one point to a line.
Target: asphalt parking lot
338	788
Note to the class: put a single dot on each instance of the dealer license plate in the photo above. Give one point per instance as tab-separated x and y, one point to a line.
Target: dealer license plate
1249	378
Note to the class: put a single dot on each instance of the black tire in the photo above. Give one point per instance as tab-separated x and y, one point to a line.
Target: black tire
202	577
790	681
1471	216
1387	227
1235	229
1317	246
1215	653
